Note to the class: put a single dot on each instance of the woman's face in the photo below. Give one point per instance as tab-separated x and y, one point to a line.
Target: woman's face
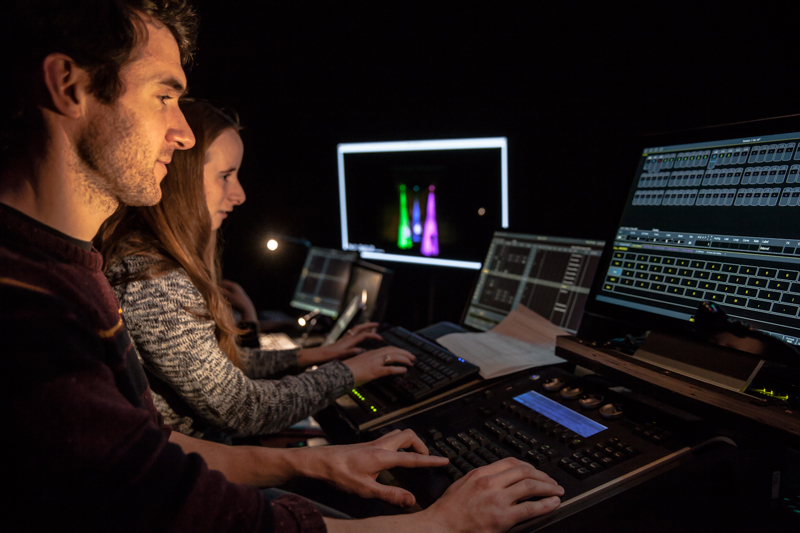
221	176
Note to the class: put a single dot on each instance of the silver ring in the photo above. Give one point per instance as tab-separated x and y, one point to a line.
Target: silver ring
387	359
350	332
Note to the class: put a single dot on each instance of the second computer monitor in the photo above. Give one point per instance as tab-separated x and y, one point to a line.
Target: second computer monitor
323	281
550	275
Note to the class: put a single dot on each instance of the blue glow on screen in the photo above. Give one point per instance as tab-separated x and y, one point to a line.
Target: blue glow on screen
556	412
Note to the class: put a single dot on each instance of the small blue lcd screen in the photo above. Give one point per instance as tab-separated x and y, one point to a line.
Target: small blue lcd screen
556	412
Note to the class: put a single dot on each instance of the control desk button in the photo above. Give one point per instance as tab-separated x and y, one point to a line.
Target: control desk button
590	401
553	384
570	393
434	434
611	410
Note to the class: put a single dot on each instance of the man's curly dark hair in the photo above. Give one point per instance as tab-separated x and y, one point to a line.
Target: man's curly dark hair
99	35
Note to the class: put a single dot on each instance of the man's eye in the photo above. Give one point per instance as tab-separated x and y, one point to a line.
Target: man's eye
164	98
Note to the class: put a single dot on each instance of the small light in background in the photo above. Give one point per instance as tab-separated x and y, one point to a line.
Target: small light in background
301	321
272	244
481	212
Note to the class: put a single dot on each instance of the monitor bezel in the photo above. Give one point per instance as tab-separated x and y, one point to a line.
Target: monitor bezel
413	146
310	308
602	316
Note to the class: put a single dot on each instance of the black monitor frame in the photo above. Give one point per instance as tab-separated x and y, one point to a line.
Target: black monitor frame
604	320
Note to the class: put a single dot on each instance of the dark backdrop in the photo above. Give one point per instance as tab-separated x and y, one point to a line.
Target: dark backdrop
570	86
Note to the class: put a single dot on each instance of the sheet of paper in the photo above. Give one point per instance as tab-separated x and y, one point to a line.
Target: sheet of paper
522	340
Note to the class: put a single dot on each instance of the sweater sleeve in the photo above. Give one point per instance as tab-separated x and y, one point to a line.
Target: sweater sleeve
266	363
181	348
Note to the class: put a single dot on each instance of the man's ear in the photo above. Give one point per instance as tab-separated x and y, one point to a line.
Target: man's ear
67	84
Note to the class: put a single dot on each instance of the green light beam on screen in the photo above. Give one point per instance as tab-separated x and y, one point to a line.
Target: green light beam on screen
404	229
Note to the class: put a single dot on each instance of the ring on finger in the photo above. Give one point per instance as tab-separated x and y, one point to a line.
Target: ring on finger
387	359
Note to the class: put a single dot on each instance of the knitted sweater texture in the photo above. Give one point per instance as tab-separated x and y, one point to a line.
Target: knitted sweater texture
195	385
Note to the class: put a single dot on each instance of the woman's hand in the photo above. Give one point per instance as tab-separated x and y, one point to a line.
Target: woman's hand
239	300
345	347
378	363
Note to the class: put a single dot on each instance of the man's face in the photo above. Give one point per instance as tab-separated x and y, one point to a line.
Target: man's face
125	147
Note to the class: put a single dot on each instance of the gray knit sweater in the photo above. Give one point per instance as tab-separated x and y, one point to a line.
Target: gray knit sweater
181	349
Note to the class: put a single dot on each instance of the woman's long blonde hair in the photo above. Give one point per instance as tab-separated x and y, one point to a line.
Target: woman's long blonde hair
177	231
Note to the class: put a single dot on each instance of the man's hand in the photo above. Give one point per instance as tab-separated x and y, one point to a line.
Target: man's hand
345	347
491	498
355	467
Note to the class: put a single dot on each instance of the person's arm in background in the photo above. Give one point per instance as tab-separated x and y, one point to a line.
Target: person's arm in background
181	349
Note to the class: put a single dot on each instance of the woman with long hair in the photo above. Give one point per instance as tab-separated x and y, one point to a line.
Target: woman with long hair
163	262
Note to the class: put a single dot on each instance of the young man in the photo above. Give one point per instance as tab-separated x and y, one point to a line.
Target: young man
90	121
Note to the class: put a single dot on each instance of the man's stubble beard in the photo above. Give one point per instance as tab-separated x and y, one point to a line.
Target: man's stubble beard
116	162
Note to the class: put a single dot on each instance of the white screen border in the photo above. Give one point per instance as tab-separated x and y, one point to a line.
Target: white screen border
417	146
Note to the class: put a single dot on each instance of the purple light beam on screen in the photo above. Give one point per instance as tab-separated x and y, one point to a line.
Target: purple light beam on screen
430	235
416	223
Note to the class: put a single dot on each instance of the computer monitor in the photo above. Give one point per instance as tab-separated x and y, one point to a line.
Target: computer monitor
549	275
376	281
365	300
712	215
323	281
430	202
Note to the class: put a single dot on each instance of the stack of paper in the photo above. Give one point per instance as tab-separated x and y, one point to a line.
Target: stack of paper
524	339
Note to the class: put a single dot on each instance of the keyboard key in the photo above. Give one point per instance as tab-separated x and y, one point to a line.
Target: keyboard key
784	309
748	270
656	268
757	282
668	261
728	289
698	264
747	291
719	277
689	283
779	285
714	266
767	272
685	272
714	297
694	293
736	300
769	295
683	262
707	285
675	290
670	270
789	275
790	298
738	280
660	287
760	305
